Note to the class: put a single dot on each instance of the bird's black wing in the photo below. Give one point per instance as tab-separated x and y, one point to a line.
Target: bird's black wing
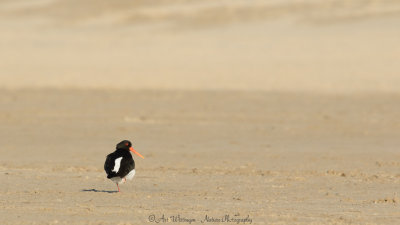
127	165
109	165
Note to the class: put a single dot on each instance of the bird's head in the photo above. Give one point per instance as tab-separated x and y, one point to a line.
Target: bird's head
127	145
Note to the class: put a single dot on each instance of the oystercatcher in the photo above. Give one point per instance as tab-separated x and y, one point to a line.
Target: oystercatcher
119	165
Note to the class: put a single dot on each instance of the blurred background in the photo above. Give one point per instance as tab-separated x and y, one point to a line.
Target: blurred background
284	110
288	45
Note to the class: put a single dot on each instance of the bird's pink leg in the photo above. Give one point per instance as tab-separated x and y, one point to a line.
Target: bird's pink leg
118	188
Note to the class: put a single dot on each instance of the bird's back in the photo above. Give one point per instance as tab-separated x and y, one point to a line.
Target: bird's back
119	164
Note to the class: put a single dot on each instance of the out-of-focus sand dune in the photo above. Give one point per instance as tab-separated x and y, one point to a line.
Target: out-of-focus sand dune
332	46
208	12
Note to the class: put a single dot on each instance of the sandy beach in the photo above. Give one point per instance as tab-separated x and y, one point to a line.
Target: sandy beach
279	158
262	112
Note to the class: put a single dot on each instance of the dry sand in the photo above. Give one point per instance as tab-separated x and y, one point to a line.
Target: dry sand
279	158
282	112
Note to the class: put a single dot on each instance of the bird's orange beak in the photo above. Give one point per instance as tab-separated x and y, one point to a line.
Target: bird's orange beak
137	153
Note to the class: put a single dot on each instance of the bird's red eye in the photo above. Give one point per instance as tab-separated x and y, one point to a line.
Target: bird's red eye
127	144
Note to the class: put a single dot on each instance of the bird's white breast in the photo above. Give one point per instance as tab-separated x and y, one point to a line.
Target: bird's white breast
117	164
120	180
130	175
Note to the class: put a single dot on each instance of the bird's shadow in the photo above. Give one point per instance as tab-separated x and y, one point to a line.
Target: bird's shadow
95	190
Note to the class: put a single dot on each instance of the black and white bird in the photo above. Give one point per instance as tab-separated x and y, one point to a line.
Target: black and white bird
120	165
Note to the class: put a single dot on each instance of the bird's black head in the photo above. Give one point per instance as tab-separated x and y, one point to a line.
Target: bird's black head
125	144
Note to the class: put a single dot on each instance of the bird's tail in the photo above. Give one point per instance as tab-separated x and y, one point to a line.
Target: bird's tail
111	175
